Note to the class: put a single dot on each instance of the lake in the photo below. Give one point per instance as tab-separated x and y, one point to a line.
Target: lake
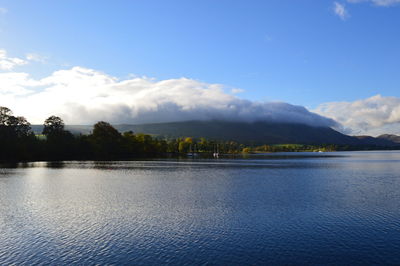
294	208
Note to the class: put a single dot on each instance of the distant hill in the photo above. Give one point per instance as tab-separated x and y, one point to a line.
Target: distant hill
257	133
76	129
368	140
389	137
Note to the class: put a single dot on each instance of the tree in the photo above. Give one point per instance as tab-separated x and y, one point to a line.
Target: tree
17	126
105	130
106	140
60	143
21	126
189	140
5	114
246	150
53	125
16	137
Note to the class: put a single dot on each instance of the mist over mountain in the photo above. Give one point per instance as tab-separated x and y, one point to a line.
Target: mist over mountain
85	96
390	137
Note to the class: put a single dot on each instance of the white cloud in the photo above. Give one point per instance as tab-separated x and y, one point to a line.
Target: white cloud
8	63
340	10
36	57
377	2
372	116
84	96
16	84
236	91
3	10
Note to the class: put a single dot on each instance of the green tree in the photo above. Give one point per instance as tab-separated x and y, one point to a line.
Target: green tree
5	114
16	137
53	125
106	140
60	143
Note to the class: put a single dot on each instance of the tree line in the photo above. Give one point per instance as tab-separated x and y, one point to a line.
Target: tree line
19	143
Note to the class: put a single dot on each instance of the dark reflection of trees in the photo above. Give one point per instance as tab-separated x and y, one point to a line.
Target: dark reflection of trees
107	165
55	164
9	165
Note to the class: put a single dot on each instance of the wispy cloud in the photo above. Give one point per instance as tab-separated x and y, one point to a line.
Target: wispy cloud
3	10
268	38
36	57
375	115
8	63
236	91
340	10
385	3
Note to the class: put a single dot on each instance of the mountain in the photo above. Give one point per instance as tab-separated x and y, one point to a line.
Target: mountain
256	133
368	140
389	137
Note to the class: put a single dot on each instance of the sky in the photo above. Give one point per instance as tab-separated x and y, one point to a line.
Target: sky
328	63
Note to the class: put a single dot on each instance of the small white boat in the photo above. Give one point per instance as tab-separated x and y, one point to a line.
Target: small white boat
216	152
193	152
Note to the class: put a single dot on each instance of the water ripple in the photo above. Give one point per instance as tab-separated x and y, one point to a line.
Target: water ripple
295	210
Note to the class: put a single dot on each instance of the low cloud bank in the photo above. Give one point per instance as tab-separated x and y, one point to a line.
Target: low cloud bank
84	96
372	116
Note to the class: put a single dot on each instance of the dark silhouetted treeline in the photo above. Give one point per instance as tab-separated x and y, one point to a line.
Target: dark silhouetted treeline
19	143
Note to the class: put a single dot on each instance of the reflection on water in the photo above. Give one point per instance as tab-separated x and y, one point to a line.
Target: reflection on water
267	209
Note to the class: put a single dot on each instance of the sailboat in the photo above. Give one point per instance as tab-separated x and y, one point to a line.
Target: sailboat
216	152
192	153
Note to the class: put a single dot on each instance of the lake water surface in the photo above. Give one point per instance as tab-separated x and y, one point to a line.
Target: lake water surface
299	208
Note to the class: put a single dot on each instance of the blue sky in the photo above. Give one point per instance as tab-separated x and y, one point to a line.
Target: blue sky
303	52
